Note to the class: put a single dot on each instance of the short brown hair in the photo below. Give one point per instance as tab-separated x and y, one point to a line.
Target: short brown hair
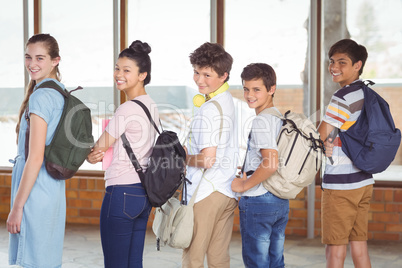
259	71
212	55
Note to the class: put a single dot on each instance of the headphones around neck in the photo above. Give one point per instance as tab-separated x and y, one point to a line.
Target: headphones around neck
199	99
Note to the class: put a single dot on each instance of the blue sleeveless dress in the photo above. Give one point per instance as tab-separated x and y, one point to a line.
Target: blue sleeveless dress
40	242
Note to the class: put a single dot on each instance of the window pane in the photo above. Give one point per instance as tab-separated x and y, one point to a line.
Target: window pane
172	35
272	32
378	26
11	76
86	49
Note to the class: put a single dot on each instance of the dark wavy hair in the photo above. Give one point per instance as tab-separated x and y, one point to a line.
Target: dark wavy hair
354	51
212	55
139	53
262	71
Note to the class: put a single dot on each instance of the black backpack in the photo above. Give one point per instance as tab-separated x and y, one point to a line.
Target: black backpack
72	140
372	142
165	172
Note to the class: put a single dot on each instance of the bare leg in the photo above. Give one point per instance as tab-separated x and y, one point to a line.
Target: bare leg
335	255
360	255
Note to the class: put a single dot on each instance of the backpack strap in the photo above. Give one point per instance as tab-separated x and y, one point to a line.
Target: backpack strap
219	107
132	157
365	86
148	115
368	83
245	157
126	143
49	84
54	85
46	84
192	200
274	112
270	111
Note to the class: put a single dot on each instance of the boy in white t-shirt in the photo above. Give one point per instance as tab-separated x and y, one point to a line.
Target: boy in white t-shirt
211	149
263	216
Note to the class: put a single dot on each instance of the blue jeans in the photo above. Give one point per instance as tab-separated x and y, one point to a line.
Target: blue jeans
263	221
123	222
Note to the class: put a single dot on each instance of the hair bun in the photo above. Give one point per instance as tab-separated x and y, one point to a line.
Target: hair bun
140	47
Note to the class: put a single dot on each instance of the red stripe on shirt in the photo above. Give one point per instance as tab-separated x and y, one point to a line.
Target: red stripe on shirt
335	117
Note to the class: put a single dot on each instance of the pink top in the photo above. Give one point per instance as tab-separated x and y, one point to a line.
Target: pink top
131	119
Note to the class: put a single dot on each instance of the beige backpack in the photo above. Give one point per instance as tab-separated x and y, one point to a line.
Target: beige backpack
300	152
174	221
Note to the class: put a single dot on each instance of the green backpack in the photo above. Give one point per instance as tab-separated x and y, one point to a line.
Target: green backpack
72	141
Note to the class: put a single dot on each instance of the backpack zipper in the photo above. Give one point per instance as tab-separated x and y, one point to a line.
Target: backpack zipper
291	150
305	160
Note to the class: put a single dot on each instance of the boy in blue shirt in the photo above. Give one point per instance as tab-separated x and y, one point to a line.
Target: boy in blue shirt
263	216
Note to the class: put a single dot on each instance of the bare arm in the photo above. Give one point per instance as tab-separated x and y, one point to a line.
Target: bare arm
325	129
205	159
101	146
37	142
266	169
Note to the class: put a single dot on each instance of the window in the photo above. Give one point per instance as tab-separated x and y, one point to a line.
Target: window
172	36
272	32
11	76
378	26
86	50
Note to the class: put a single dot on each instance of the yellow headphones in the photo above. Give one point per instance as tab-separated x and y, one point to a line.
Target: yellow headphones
199	99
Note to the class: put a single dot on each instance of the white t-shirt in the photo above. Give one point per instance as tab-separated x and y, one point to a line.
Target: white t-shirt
204	133
264	132
131	119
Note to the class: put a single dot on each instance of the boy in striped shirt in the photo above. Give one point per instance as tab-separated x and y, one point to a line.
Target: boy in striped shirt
347	190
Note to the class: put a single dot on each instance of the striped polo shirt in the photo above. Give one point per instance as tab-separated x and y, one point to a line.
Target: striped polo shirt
342	112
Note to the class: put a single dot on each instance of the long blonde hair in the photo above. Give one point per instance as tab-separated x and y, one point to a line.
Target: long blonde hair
53	50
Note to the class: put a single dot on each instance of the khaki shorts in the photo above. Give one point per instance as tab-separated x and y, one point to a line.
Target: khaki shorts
344	215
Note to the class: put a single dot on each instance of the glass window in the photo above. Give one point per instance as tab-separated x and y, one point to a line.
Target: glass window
86	50
11	76
368	22
272	32
378	26
172	36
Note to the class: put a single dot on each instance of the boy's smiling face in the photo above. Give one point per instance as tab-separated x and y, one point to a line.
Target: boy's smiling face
207	79
342	70
257	96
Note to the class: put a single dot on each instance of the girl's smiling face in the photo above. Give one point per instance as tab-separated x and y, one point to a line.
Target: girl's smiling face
127	75
38	62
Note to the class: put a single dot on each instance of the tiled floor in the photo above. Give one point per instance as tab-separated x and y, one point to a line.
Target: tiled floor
82	249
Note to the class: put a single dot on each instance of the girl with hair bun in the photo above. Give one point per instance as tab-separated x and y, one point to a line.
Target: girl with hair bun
36	221
125	207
